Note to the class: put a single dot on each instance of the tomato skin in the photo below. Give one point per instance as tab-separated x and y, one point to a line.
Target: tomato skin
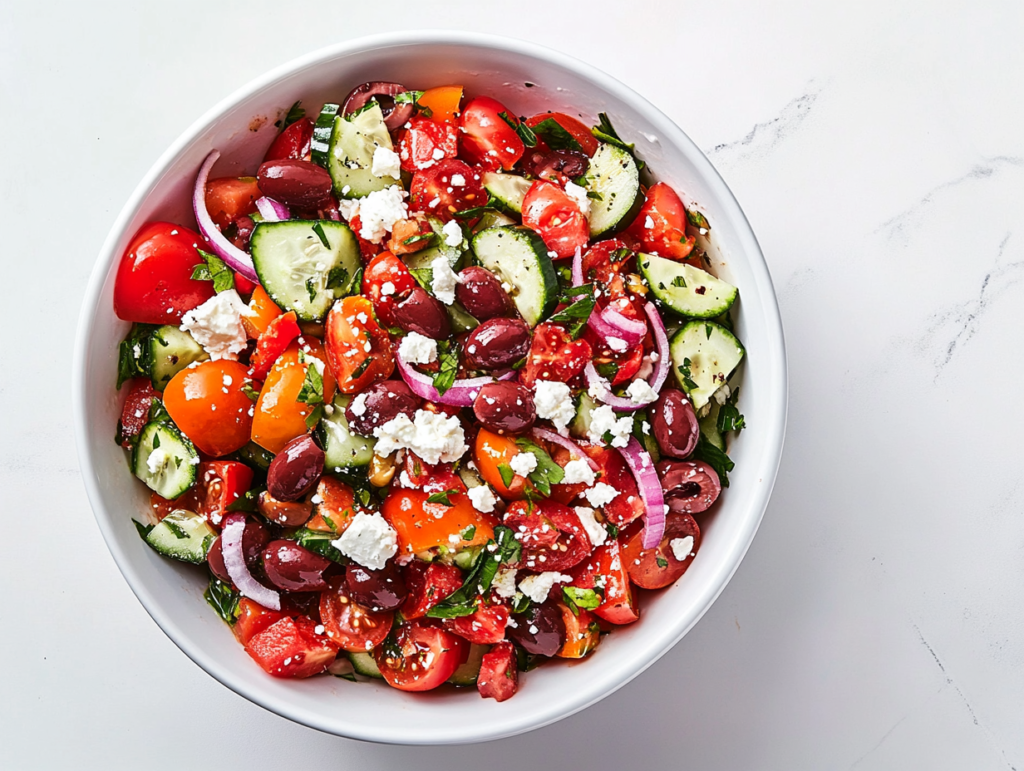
554	356
229	198
485	626
492	450
443	102
260	312
292	641
598	266
428	583
614	471
350	625
486	138
582	633
608	562
135	413
578	131
642	564
432	191
422	525
417	143
215	416
294	143
556	218
272	343
499	673
154	283
384	268
428	656
666	235
347	331
252	619
553	539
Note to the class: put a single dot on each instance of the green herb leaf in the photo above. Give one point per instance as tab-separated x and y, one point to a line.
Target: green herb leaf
424	277
444	497
525	132
608	370
662	562
502	549
429	238
730	419
311	288
358	371
295	113
468	214
577	598
312	391
520	603
246	501
679	281
613	530
176	530
135	358
507	474
715	458
594	195
684	372
708	329
448	361
547	472
697	219
318	228
314	417
607	133
319	542
576	314
339	281
620	254
143	529
555	136
214	270
223	599
249	391
413	98
468	533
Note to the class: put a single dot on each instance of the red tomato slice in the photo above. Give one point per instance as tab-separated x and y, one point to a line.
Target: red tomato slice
426	142
627	505
154	283
576	129
605	262
293	143
661	225
229	198
219	483
556	218
351	329
606	570
428	584
135	413
350	625
485	136
272	343
554	356
484	627
291	648
422	657
386	269
499	674
553	539
658	567
252	619
435	190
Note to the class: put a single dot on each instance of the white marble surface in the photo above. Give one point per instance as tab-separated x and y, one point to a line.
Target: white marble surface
878	149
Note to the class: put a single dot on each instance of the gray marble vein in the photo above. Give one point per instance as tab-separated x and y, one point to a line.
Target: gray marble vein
764	137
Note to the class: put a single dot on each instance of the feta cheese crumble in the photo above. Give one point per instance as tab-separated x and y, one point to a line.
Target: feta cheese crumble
378	212
386	163
157	460
387	288
579	196
418	349
553	401
577	471
681	547
537	588
640	392
597	532
444	280
617	344
523	463
217	325
452	233
603	420
504	583
368	540
358	405
482	499
601	494
458	180
433	436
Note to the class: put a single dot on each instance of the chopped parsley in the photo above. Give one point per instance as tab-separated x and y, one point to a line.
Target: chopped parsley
576	599
502	549
555	136
525	132
318	228
214	270
547	472
448	366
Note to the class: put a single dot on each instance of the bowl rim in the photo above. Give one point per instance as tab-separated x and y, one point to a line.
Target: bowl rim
662	640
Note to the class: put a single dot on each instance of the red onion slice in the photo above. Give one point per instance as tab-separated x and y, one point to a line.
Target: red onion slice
394	118
231	533
577	267
661	368
235	258
640	463
461	394
573	448
271	210
608	322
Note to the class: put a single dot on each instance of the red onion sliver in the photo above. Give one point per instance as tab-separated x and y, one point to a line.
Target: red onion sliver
663	364
235	258
573	448
234	562
642	466
577	267
608	323
271	210
461	394
597	383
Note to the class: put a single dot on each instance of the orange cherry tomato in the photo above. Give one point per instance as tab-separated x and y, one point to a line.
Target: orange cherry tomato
262	310
358	350
443	102
492	450
229	198
336	509
279	416
207	403
421	525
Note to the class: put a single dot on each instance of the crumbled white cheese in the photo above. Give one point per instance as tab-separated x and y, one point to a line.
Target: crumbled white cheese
358	405
523	463
386	163
577	471
553	401
444	280
601	494
458	180
157	460
617	344
681	547
482	498
217	325
368	540
418	349
537	588
722	394
597	532
640	392
378	212
579	196
504	583
433	436
604	420
452	233
649	223
387	288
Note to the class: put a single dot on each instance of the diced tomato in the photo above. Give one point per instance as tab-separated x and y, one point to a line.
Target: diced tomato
486	138
229	198
252	619
484	627
407	235
431	477
422	525
499	674
443	102
425	142
581	631
551	535
385	281
627	505
291	648
556	218
554	356
428	583
293	143
588	144
607	261
135	413
367	249
219	484
351	330
336	509
272	343
154	283
605	570
244	286
658	567
436	190
422	657
207	403
349	624
562	492
260	312
661	225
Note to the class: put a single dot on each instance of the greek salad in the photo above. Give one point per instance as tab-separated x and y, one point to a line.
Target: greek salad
436	396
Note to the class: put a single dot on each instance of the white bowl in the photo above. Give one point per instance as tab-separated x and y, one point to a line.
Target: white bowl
172	593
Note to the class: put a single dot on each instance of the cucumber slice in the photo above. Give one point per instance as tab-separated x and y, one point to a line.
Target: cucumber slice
182	535
468	672
492	219
323	129
507	191
710	353
687	290
709	426
424	257
171	350
165	459
364	664
299	273
342	448
613	177
580	426
519	257
350	159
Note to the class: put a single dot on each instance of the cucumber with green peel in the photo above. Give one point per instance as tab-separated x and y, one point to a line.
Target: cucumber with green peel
465	558
580	426
468	672
492	219
342	448
164	459
171	350
365	665
323	129
182	535
299	271
684	289
613	182
506	191
519	257
704	355
709	426
424	257
350	158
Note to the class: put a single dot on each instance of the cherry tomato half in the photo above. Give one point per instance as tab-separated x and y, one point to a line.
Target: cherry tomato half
553	539
349	624
357	348
229	198
386	269
422	658
425	142
293	143
661	225
485	136
554	356
556	218
658	567
576	130
606	570
449	187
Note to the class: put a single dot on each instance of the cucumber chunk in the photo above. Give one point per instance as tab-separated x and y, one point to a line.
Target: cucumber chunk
165	459
710	353
580	426
518	256
468	672
687	290
182	535
342	448
507	191
323	130
709	426
424	257
350	158
364	664
615	181
301	274
492	219
171	350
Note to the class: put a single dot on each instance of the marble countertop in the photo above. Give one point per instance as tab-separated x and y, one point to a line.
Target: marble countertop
878	150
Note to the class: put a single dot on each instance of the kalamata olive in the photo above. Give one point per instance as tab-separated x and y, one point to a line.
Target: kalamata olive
244	226
419	312
481	294
254	538
497	343
675	424
540	630
395	115
287	513
690	486
294	183
294	568
505	407
378	403
548	165
378	590
296	469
